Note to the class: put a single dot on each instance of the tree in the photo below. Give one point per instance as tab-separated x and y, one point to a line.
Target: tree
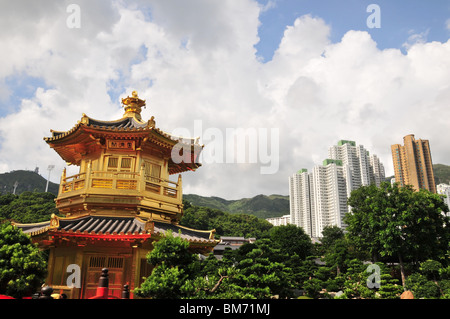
22	267
431	281
173	265
224	223
399	222
260	271
338	255
292	240
330	235
364	222
28	207
253	271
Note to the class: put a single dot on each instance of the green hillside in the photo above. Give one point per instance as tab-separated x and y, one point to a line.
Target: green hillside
26	181
441	173
261	206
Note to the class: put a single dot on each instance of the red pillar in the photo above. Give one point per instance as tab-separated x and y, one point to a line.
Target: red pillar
103	283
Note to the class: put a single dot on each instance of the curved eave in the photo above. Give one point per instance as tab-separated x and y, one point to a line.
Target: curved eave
125	124
101	236
33	229
193	236
183	167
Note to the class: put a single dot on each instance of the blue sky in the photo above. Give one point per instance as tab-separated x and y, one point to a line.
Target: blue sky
399	19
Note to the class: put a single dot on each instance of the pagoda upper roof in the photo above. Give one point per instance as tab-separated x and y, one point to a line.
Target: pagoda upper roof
125	124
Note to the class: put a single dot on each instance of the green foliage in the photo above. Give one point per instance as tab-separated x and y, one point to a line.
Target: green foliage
27	207
390	288
421	287
431	282
330	235
253	271
22	267
441	173
171	251
292	240
312	287
261	272
174	266
225	224
358	276
399	222
430	269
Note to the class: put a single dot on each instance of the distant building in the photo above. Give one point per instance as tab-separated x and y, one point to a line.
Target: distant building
413	164
319	199
365	169
232	243
330	184
444	189
300	201
280	221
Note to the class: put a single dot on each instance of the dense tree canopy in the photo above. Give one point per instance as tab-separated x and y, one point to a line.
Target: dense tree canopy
22	266
292	240
28	207
256	270
224	223
399	222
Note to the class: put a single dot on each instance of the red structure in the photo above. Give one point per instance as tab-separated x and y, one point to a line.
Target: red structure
103	288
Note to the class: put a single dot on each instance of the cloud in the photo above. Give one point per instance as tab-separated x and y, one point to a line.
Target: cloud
197	67
415	38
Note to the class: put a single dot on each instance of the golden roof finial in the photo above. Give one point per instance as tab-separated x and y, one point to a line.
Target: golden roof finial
133	105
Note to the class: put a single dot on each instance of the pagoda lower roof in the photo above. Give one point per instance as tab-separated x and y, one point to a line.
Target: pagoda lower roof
118	227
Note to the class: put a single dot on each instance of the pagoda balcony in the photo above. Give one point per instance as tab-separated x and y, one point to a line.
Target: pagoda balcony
138	187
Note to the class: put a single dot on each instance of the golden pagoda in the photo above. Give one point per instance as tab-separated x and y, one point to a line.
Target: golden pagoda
120	202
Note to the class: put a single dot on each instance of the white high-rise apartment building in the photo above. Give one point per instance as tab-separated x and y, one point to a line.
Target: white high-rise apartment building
376	170
365	169
300	201
280	221
329	184
444	189
319	199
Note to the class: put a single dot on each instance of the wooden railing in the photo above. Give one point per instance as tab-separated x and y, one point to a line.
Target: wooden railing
74	182
129	181
161	186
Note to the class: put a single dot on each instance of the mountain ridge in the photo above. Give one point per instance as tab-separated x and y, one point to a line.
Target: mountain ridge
262	206
27	181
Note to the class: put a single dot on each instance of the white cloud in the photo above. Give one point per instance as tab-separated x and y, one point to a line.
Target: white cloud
416	38
198	62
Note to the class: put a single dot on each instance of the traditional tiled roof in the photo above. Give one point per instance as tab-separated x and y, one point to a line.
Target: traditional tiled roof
128	124
34	229
192	235
67	143
102	225
109	225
